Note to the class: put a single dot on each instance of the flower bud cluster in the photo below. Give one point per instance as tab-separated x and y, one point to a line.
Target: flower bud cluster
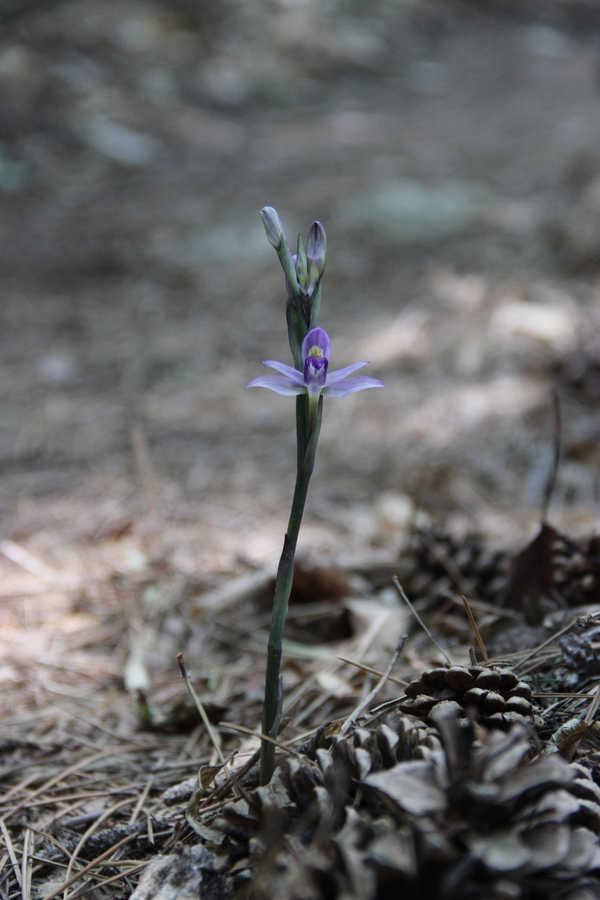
303	272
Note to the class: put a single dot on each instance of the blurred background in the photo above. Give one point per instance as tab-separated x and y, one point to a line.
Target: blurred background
452	151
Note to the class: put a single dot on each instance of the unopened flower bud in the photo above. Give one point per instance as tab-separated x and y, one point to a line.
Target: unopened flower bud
316	250
273	226
301	263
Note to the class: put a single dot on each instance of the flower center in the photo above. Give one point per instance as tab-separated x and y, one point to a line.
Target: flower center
315	371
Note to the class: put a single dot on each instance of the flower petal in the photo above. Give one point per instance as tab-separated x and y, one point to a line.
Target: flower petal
351	385
341	373
281	384
289	371
318	337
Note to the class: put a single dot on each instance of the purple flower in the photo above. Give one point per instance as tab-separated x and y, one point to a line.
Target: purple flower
314	380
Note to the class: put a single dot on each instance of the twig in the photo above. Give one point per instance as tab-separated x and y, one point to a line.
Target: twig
80	764
90	866
257	734
593	707
476	631
30	563
549	640
26	862
481	606
141	800
372	671
144	467
353	717
90	831
11	852
360	646
91	887
420	620
198	704
549	488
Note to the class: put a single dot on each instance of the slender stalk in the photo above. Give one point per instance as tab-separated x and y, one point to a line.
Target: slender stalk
307	445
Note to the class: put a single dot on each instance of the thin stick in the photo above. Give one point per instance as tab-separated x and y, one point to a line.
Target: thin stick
476	631
549	489
372	671
90	831
90	866
81	764
354	716
480	606
593	707
11	852
141	800
552	638
257	734
26	862
144	467
420	620
360	647
211	733
30	563
92	887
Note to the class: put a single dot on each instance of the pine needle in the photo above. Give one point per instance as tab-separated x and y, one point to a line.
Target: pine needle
420	620
476	631
354	716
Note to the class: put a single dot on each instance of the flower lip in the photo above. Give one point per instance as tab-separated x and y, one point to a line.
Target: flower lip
315	372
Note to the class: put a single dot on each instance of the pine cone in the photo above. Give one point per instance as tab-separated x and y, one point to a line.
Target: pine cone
475	817
576	569
496	693
434	552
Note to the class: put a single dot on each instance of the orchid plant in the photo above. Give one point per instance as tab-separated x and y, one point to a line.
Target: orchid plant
309	380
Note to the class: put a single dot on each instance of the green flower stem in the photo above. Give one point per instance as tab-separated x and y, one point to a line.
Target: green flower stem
307	446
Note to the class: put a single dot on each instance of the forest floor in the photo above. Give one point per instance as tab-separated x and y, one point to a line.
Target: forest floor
452	153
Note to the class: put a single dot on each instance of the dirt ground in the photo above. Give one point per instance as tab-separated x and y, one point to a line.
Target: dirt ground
452	152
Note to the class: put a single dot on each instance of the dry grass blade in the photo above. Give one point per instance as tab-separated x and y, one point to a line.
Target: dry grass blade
593	707
475	628
257	734
17	788
490	608
90	866
93	827
197	703
371	671
420	620
360	646
11	852
557	443
545	644
26	863
144	467
141	800
107	881
30	563
353	717
70	770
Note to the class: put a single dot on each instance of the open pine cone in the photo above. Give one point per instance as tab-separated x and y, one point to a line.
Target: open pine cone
496	693
474	818
434	552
